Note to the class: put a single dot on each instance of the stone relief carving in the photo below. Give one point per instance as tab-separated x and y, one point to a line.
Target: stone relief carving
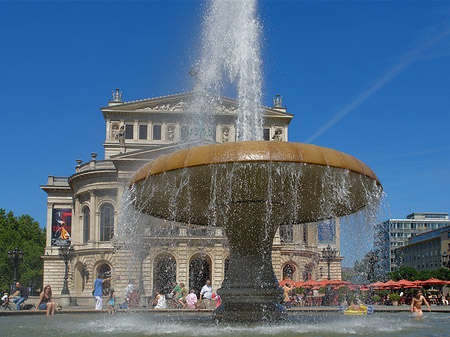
183	106
221	109
278	136
171	132
225	134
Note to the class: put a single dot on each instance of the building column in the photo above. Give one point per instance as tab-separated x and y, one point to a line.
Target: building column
182	264
49	225
93	217
218	266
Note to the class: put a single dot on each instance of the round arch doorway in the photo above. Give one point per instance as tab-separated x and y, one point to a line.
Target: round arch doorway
288	272
104	271
164	273
199	272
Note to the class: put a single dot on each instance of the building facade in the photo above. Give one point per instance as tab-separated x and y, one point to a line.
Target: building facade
395	233
425	251
83	209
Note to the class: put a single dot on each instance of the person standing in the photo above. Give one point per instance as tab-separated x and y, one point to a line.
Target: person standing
206	296
111	302
23	295
98	291
417	302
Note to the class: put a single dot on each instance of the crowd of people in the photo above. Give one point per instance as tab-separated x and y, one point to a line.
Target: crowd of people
20	295
180	298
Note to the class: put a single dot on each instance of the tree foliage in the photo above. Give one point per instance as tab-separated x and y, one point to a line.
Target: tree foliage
411	274
26	234
368	268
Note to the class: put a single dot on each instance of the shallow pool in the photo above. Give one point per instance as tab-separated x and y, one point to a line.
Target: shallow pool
304	324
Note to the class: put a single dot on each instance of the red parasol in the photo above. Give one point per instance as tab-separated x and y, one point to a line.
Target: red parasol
310	283
287	280
406	284
324	283
433	282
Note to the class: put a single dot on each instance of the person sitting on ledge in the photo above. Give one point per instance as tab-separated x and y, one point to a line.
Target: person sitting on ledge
45	301
23	295
160	301
191	300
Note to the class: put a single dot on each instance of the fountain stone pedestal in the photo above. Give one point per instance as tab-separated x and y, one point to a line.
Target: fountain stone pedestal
250	290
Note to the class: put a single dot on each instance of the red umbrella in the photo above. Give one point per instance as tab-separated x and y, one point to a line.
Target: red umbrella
433	282
324	283
407	284
310	283
378	284
339	282
418	283
298	284
287	280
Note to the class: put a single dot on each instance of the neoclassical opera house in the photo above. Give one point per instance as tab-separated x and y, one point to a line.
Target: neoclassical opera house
83	209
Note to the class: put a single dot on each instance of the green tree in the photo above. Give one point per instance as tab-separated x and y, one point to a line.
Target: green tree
442	274
26	234
404	273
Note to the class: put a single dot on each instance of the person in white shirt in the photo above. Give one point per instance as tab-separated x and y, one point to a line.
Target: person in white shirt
160	301
206	296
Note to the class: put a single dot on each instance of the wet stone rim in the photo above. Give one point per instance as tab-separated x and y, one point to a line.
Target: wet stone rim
253	151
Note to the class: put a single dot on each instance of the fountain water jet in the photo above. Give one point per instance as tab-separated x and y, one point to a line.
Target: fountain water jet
250	189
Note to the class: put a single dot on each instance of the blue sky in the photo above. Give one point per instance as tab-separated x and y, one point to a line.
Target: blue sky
368	78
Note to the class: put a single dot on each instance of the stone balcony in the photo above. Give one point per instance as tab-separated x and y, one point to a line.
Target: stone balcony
95	165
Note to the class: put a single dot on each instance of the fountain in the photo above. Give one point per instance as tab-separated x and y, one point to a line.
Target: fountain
250	188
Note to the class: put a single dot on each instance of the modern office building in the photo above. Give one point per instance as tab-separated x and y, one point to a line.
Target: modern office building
424	251
394	233
83	208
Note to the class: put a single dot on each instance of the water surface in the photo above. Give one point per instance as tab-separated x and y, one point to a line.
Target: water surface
305	324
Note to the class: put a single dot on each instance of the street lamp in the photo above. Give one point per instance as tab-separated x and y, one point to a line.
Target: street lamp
445	260
330	255
15	257
66	254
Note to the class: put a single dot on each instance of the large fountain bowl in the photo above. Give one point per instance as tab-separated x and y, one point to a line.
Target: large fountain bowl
301	182
251	188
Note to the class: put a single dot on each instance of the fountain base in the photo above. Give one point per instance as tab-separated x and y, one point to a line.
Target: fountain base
250	305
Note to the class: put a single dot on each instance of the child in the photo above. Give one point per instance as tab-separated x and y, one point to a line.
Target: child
217	299
111	302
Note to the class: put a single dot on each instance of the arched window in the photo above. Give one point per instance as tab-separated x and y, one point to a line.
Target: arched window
86	224
106	222
288	271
